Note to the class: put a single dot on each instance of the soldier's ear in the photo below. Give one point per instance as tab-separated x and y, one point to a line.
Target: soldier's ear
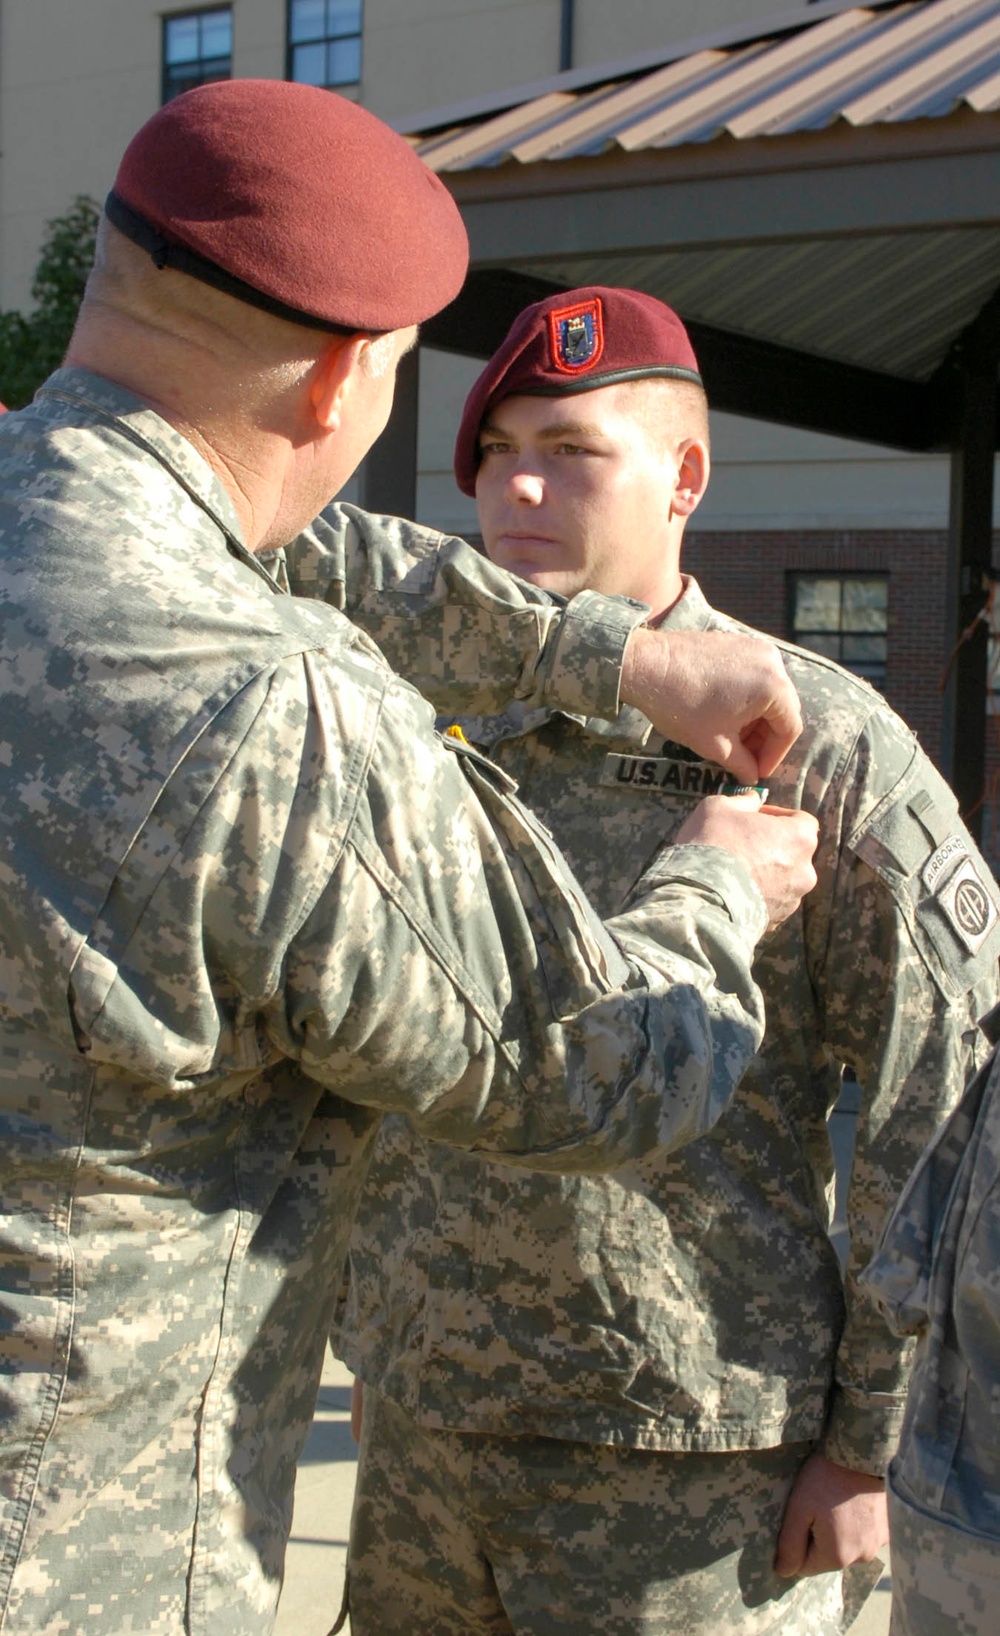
332	378
693	468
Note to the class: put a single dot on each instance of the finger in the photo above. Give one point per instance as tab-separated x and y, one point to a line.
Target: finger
822	1557
754	737
776	741
793	1541
737	759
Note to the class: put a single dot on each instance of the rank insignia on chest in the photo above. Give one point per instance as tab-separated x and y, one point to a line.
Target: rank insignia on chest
672	775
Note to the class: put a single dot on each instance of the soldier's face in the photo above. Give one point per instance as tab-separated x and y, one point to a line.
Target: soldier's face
576	492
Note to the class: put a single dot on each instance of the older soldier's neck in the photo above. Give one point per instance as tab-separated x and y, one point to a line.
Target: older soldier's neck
247	459
228	377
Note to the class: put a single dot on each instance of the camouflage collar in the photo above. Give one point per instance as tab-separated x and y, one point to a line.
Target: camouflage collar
75	396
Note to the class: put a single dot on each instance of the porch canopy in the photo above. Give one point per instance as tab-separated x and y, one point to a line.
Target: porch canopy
818	197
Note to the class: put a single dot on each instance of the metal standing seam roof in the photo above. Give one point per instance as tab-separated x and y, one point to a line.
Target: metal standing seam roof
833	296
922	59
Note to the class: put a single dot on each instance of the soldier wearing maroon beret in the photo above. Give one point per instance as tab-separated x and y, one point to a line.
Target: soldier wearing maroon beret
250	899
649	1404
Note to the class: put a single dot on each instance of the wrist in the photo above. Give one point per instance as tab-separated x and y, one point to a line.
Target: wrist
645	665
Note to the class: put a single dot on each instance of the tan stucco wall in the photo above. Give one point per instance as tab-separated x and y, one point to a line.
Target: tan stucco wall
77	77
434	53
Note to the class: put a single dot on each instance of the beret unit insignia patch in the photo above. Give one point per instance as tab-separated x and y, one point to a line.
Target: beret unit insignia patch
576	335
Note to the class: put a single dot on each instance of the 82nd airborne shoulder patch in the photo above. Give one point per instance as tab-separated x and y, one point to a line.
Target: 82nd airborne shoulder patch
968	905
576	336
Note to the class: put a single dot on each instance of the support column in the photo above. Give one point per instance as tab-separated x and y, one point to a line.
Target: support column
566	21
387	481
969	562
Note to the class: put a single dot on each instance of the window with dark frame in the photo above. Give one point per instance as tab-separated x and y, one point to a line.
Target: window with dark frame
324	42
197	49
843	616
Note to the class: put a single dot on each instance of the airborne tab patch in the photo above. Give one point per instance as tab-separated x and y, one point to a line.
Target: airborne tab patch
576	336
954	847
673	775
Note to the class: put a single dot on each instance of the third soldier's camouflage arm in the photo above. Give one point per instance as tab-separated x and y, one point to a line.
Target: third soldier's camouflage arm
468	635
936	1272
902	984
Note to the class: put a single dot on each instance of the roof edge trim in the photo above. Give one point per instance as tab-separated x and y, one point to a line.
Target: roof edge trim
577	79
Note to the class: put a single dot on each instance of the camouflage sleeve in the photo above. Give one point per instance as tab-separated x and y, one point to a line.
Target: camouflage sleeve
382	912
468	635
912	935
937	1272
906	1274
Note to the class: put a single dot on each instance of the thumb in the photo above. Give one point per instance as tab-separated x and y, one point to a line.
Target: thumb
748	800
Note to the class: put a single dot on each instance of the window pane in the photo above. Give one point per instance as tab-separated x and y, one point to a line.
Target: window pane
343	17
345	62
197	49
817	605
182	39
217	34
864	650
875	674
829	646
866	604
309	64
844	618
186	77
307	21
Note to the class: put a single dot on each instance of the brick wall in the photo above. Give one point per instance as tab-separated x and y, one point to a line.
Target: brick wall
746	575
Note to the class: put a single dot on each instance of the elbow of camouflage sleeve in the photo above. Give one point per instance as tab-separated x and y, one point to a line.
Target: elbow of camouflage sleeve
862	1429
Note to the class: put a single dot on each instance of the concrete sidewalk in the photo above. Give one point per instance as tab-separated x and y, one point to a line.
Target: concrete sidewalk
324	1491
317	1552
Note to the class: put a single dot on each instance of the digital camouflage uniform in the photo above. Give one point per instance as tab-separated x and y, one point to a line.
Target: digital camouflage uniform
692	1303
248	902
938	1274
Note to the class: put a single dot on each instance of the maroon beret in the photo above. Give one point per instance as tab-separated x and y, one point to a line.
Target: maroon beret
295	200
575	342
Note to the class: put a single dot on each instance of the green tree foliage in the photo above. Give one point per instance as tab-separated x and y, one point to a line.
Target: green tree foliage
32	347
